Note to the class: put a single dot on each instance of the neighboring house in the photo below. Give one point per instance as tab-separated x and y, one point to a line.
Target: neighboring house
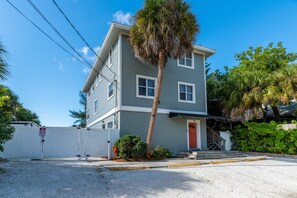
121	94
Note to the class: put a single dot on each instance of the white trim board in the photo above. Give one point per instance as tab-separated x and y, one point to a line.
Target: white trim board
163	111
109	113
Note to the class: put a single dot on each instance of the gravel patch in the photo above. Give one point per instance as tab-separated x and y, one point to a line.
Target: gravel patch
51	179
269	178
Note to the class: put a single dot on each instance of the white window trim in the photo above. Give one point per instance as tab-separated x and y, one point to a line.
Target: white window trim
193	65
145	77
108	98
92	88
198	131
96	100
88	109
112	125
109	59
97	80
194	95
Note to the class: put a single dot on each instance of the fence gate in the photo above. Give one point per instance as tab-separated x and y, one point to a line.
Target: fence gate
59	142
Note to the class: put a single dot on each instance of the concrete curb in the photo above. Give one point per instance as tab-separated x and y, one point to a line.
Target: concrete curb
226	161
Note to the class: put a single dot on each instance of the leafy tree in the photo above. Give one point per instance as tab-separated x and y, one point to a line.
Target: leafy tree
162	29
264	76
3	64
17	110
80	115
6	129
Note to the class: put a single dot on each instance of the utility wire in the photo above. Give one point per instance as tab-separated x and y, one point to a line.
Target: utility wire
44	32
64	39
68	20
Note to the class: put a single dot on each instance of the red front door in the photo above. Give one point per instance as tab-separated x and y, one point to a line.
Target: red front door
192	134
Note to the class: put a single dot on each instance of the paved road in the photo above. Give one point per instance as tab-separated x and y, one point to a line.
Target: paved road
268	178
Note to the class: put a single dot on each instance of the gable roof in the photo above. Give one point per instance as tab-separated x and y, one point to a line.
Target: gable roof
115	30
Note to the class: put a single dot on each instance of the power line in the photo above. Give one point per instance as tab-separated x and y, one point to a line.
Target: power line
68	20
44	32
64	39
53	40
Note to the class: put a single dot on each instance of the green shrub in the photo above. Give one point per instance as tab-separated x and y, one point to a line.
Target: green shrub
264	137
130	146
161	152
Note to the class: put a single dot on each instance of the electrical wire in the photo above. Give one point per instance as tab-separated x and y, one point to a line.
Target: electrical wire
65	40
71	24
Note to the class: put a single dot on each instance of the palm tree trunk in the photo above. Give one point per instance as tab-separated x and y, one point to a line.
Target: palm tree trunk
276	112
150	131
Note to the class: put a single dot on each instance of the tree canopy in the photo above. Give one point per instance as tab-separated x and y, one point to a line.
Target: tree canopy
264	76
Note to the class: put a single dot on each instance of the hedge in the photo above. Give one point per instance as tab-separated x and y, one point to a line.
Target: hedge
264	137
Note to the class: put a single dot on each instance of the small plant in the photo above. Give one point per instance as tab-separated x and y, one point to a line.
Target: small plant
161	152
129	146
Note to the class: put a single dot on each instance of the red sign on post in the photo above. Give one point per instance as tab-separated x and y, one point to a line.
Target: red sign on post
42	131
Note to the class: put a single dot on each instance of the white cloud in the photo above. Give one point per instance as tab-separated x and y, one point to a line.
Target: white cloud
96	49
61	67
123	18
86	70
84	50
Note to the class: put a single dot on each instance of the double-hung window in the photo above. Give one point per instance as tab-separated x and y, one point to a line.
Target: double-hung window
110	59
110	125
145	86
88	114
186	60
95	106
109	91
186	92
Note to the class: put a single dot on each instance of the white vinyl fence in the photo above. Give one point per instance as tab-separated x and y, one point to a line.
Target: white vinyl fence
59	142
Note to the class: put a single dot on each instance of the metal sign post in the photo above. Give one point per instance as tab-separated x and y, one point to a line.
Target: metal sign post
42	134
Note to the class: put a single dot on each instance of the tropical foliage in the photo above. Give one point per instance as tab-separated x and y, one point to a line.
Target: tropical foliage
264	137
3	64
80	115
162	29
264	76
16	109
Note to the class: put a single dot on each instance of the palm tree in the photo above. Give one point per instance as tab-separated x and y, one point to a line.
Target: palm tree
3	65
163	29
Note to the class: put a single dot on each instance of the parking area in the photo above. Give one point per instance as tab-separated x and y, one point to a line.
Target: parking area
275	177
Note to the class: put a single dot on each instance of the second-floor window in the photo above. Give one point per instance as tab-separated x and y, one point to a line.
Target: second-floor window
110	125
92	87
110	58
95	106
109	91
186	92
145	86
186	60
88	114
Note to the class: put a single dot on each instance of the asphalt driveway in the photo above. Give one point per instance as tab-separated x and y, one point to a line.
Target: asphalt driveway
62	178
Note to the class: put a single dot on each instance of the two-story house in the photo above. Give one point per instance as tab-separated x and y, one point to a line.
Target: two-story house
120	91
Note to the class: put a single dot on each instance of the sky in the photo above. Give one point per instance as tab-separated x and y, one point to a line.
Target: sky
48	80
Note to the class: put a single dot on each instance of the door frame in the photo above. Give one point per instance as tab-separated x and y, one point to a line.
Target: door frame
198	131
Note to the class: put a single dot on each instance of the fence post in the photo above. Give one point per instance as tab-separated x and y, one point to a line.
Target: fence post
108	145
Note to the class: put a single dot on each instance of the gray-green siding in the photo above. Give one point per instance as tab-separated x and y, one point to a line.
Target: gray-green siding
169	132
100	92
173	73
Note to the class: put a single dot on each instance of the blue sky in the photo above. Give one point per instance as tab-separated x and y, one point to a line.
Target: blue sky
48	80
